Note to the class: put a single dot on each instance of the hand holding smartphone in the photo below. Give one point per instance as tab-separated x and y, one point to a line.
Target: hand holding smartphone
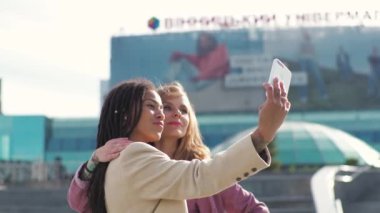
280	71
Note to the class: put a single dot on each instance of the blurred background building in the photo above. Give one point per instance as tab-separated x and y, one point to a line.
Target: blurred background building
226	104
335	117
36	138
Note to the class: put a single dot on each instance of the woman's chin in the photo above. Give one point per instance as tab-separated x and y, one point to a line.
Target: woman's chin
173	134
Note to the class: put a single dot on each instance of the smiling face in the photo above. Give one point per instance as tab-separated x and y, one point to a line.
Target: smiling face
176	110
150	126
181	125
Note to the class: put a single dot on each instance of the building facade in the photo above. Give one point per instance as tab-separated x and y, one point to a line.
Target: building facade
35	138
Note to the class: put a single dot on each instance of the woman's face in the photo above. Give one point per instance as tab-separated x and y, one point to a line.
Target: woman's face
151	123
176	117
205	42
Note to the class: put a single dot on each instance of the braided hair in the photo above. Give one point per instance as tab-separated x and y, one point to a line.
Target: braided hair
119	116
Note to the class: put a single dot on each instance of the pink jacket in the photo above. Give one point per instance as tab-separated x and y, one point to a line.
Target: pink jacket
234	199
77	194
211	66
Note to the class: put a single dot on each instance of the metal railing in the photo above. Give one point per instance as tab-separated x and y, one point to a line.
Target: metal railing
323	186
25	171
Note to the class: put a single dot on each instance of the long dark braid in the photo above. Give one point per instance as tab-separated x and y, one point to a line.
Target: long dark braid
120	114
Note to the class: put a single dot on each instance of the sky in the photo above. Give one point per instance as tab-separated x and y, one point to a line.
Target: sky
53	53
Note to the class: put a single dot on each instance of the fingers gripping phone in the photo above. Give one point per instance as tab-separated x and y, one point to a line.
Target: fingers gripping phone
280	71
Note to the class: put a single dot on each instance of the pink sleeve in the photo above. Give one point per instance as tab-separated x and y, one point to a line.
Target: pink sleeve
215	64
212	204
237	199
192	205
77	194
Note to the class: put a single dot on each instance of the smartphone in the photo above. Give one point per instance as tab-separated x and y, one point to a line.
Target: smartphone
280	71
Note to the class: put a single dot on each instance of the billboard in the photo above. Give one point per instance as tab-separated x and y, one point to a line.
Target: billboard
334	68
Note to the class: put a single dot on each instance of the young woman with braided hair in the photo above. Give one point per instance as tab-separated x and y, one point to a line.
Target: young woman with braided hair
190	146
126	108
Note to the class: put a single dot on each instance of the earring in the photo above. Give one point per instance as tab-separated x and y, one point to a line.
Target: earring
115	111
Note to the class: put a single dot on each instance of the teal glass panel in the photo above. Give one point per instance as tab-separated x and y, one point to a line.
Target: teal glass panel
28	137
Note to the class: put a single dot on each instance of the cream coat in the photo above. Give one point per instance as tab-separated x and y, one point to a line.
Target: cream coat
142	176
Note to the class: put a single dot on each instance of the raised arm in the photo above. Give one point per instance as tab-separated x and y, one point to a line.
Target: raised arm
155	176
272	114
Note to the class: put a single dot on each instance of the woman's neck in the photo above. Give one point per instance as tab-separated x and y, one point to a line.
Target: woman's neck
168	146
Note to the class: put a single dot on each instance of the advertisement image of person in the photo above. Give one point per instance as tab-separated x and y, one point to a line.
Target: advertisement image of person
181	140
144	179
308	64
374	76
197	71
343	64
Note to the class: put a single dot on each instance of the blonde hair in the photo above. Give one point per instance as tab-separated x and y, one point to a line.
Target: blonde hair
190	146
